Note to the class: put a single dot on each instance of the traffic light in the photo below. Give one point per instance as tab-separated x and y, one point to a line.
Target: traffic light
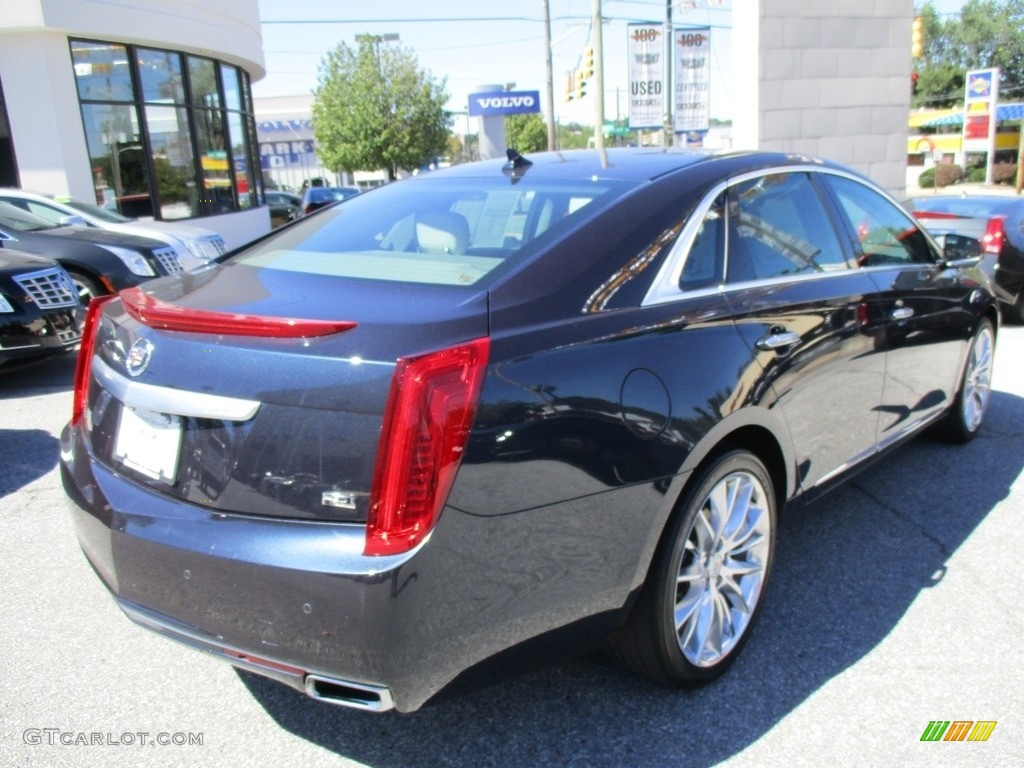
570	87
587	68
581	85
917	38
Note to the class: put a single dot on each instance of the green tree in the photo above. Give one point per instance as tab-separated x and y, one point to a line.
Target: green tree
374	108
526	133
987	33
574	136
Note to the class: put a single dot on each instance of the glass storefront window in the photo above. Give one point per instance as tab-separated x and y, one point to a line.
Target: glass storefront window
102	71
192	153
213	159
232	94
160	76
202	76
240	160
173	162
120	173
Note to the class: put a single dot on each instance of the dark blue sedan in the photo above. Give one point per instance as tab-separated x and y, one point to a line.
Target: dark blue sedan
566	396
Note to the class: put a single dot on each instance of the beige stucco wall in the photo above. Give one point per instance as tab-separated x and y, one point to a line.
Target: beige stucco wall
829	78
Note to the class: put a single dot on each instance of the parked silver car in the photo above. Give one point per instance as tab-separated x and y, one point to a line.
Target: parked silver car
194	246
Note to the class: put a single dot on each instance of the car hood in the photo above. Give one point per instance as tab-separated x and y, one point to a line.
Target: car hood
101	237
177	229
19	261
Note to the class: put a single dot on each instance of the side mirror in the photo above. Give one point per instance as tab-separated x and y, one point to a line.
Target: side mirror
960	250
73	221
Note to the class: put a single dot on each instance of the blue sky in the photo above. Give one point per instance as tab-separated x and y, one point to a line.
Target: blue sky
472	53
475	52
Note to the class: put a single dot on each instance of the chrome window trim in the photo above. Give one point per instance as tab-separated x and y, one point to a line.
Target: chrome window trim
179	402
665	287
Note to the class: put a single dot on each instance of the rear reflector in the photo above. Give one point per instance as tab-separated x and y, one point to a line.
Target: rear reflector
83	365
427	420
171	317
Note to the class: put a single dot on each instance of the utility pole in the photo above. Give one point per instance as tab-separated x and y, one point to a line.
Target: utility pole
598	79
549	97
669	96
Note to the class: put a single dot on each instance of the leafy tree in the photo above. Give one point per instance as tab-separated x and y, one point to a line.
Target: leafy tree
988	33
374	108
574	136
526	133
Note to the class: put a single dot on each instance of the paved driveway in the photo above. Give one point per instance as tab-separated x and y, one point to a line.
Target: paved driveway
896	601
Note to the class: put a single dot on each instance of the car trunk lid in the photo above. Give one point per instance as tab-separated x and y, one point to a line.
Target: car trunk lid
284	420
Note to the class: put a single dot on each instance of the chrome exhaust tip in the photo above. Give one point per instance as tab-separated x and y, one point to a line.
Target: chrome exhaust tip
345	693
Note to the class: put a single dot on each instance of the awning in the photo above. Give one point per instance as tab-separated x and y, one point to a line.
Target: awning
1003	112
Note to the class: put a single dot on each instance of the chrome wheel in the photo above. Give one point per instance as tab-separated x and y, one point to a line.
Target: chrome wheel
723	568
704	587
86	287
977	379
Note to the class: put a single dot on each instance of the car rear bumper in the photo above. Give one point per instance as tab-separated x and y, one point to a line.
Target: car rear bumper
350	693
297	601
292	600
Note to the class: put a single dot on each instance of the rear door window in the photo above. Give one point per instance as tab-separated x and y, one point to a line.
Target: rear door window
884	233
779	227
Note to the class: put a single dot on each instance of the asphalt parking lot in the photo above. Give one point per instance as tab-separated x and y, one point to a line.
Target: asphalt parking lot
895	602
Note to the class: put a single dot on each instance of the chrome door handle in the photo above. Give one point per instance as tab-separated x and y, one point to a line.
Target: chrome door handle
902	313
778	340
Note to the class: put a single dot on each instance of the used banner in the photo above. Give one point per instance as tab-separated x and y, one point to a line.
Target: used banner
692	103
646	51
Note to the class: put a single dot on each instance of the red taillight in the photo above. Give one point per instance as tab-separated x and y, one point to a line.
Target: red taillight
83	365
171	317
429	413
994	237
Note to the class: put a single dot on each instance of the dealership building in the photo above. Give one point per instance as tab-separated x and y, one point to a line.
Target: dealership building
143	106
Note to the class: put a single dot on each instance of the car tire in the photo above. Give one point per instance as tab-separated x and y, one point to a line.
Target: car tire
963	420
86	286
710	570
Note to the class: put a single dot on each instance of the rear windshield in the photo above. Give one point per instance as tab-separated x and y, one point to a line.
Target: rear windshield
439	231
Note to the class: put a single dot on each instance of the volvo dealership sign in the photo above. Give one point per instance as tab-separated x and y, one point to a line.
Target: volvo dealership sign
500	103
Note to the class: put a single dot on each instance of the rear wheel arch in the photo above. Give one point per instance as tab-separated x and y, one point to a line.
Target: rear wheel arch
756	439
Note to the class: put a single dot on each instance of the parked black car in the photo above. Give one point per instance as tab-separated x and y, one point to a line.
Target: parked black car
996	222
318	197
40	313
501	402
99	261
284	206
